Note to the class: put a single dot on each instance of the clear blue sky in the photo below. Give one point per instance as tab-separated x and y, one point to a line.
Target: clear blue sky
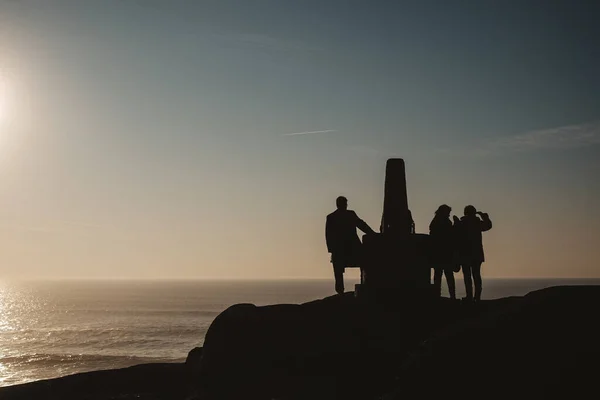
151	138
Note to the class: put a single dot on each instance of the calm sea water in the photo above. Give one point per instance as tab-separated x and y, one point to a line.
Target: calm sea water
51	329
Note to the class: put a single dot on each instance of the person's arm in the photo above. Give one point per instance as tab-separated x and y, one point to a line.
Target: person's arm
362	225
328	235
486	223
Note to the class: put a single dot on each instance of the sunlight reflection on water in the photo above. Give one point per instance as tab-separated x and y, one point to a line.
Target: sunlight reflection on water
50	329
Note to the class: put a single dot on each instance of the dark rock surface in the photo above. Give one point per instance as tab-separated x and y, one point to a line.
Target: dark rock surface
146	381
340	348
337	347
545	345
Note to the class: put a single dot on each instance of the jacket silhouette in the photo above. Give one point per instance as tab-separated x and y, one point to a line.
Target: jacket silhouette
470	238
443	240
342	238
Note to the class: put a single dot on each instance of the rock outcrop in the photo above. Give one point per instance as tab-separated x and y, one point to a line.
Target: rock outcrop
340	348
542	343
543	346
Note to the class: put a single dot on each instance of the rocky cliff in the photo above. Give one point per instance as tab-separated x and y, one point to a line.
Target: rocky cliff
339	347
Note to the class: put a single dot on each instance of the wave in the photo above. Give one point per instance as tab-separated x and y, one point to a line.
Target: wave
134	330
42	359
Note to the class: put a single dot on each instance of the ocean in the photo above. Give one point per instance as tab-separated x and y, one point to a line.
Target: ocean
56	328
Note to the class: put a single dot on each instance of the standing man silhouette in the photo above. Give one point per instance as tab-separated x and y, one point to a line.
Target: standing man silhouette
470	227
342	240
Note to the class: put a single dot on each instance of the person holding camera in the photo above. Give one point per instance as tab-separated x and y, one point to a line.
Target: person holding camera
470	247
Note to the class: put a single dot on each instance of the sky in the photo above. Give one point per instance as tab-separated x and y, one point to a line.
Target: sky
209	139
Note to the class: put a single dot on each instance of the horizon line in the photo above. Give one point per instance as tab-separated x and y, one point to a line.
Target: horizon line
230	279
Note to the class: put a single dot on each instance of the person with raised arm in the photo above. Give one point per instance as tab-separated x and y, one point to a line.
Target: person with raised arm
470	247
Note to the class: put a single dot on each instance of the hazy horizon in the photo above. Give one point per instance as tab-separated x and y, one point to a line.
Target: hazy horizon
204	140
350	278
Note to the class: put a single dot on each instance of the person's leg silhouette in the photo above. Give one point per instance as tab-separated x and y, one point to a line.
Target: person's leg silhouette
450	281
466	268
437	280
476	268
338	272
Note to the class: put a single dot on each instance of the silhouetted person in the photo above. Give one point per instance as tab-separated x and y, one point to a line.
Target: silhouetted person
442	235
470	247
342	240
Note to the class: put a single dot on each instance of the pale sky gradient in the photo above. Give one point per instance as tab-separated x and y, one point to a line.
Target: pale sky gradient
170	139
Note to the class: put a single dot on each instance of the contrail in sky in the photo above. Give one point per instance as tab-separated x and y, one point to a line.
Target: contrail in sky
308	132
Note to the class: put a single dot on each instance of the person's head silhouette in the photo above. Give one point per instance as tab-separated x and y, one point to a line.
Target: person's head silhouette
443	211
342	203
470	211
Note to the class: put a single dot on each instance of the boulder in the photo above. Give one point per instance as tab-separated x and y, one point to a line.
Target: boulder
337	347
544	345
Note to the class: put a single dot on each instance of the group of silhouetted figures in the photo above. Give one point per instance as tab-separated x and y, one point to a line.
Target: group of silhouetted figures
456	243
